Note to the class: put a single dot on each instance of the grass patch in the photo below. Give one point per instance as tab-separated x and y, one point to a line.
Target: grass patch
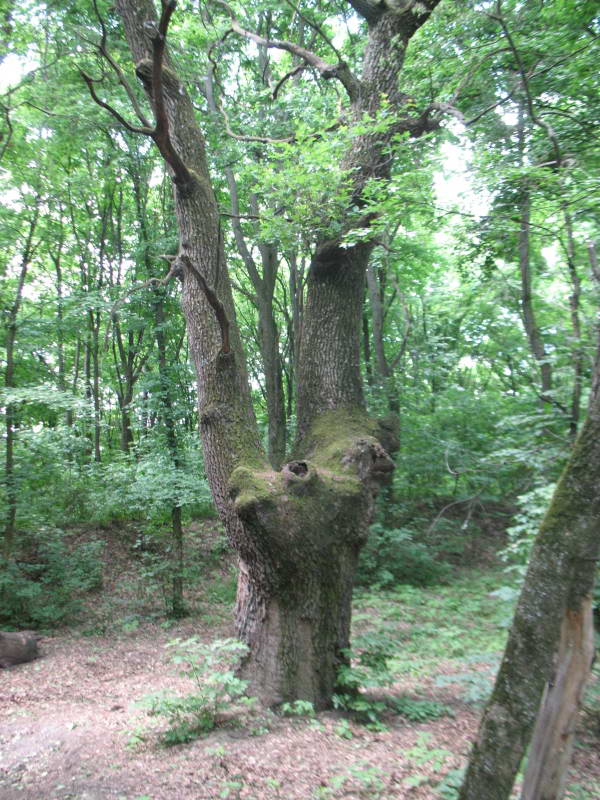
434	628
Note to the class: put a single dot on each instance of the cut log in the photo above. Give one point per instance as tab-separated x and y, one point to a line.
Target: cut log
16	648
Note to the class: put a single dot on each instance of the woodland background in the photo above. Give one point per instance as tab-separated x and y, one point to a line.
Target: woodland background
481	298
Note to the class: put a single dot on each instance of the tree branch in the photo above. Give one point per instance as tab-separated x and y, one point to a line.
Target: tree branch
341	71
316	28
213	301
292	73
161	135
371	12
146	131
103	50
549	130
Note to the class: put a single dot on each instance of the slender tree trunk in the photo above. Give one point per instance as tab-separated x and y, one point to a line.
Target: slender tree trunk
263	284
95	364
555	598
367	349
386	374
574	300
178	609
9	382
532	330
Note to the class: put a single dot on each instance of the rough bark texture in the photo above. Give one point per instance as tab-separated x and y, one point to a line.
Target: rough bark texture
553	738
297	531
559	580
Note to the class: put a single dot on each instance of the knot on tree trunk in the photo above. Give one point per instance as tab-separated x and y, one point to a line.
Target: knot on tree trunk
372	463
298	476
144	70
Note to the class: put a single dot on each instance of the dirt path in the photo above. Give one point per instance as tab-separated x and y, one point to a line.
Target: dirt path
67	722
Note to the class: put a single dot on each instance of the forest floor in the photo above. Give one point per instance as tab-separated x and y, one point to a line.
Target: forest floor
71	726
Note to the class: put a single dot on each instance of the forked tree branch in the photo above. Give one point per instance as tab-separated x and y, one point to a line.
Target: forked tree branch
146	131
160	132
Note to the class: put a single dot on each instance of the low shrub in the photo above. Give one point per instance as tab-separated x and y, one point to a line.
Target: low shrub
44	586
217	689
392	556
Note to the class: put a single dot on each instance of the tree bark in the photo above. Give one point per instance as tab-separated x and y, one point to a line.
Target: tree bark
298	531
554	734
555	595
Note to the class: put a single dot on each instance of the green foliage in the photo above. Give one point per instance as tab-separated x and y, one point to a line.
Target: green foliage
46	585
580	791
521	536
525	527
362	779
425	627
422	753
449	787
147	487
211	669
476	684
419	710
299	708
392	556
366	668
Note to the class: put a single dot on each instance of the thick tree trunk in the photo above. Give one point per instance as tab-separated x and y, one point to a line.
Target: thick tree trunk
297	531
559	581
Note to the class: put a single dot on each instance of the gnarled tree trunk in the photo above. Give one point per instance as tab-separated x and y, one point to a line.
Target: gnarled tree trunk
298	531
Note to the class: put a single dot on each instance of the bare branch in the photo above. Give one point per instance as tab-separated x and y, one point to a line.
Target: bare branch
446	108
249	138
161	135
103	50
292	73
146	131
341	71
316	28
213	301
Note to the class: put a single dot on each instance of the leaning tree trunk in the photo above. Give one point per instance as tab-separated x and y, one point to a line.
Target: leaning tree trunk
554	599
297	531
